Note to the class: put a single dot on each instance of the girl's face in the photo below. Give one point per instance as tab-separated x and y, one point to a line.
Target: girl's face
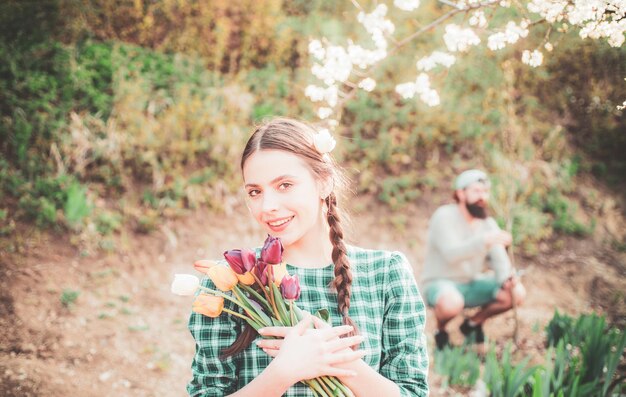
283	196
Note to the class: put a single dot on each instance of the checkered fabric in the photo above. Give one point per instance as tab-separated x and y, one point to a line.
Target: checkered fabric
385	304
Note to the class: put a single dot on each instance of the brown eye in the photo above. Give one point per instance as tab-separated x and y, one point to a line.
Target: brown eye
253	193
285	185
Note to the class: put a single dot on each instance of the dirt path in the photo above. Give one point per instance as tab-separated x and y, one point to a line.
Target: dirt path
126	335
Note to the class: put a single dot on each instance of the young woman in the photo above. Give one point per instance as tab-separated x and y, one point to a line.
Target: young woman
376	345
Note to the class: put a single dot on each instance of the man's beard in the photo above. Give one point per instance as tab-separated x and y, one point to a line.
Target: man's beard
477	209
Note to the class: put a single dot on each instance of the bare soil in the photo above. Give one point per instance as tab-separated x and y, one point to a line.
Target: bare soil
125	334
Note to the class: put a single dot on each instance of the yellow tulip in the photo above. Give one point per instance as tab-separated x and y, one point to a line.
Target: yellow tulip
209	305
280	271
223	277
246	278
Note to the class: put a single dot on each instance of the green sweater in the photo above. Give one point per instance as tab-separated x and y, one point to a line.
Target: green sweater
385	304
456	250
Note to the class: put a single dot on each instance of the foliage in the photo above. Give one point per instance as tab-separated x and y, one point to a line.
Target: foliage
122	113
584	358
459	366
504	379
587	351
69	297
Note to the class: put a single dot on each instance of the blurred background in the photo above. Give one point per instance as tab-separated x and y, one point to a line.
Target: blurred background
121	128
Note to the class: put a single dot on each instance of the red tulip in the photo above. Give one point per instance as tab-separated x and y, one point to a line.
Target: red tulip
249	259
260	270
241	261
290	287
272	251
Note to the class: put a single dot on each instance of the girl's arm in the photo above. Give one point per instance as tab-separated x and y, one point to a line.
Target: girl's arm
303	353
404	357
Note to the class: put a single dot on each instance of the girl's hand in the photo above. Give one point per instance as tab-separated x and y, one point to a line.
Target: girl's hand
306	353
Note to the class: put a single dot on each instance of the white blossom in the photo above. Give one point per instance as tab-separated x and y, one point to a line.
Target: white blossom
316	49
478	19
496	41
336	66
533	59
552	11
331	95
436	58
421	86
362	57
596	18
376	25
324	141
368	84
406	90
324	112
314	93
458	39
406	5
511	34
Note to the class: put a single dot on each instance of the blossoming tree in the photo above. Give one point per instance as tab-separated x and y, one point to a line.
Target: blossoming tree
344	69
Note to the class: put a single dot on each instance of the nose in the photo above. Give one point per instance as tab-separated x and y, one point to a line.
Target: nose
270	202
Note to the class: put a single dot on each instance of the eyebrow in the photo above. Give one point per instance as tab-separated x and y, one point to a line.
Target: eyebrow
273	181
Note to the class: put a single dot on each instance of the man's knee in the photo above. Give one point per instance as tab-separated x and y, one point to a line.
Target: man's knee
449	304
519	293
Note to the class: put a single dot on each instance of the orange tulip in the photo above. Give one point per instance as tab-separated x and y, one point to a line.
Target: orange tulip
247	278
280	271
203	265
223	277
209	305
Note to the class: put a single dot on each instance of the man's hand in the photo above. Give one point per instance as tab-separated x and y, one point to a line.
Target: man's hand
510	283
498	237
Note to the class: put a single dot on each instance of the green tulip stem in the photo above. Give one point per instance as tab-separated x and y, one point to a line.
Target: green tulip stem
325	387
251	290
249	310
272	299
291	313
344	389
315	385
236	314
262	289
223	295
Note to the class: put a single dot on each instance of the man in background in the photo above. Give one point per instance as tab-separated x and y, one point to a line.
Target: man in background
462	240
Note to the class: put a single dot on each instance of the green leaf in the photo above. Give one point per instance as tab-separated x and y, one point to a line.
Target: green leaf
76	206
324	315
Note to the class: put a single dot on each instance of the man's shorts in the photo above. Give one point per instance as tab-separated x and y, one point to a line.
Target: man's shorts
478	292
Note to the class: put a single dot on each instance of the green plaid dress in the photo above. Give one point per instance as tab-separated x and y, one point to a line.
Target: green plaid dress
385	304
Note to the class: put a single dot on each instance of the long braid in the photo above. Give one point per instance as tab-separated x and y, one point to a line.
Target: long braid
343	275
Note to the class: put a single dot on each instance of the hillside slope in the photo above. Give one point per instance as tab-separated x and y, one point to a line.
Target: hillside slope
125	334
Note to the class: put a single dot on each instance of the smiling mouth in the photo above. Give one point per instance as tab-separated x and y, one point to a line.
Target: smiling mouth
279	222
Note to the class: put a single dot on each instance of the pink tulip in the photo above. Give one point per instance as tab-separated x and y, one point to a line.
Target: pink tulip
272	251
290	287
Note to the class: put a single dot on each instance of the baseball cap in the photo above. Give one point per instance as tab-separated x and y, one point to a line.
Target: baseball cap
468	177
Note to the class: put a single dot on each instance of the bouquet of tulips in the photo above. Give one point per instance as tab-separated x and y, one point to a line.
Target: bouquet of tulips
262	289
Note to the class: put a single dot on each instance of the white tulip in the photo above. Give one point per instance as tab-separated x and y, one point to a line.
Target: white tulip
185	284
